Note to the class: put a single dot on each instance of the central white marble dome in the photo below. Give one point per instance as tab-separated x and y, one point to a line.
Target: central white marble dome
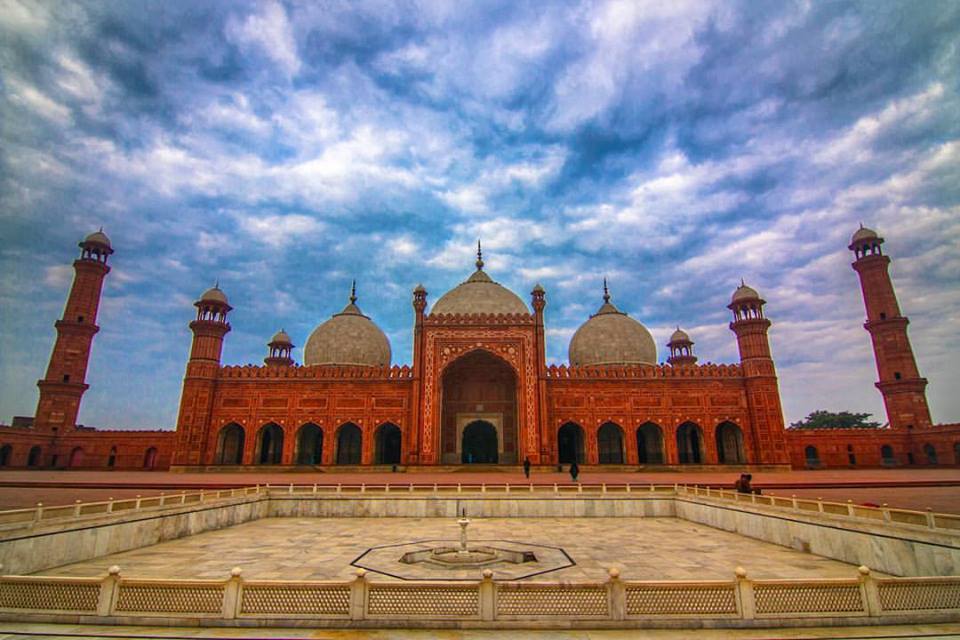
479	294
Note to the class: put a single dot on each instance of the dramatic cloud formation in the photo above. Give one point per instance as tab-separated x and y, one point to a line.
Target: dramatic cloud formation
286	148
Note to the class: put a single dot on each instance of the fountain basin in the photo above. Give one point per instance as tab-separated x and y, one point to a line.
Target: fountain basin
474	556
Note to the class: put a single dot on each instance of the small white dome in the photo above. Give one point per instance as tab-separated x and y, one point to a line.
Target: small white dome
348	338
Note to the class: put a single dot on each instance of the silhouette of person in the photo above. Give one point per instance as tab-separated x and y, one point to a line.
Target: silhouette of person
526	467
574	470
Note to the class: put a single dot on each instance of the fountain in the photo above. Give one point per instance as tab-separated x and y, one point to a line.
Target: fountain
464	556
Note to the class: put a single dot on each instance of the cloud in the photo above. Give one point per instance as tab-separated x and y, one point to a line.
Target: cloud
271	33
290	147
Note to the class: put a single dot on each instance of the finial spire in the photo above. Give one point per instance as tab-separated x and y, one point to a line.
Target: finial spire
216	283
742	283
353	292
606	291
479	256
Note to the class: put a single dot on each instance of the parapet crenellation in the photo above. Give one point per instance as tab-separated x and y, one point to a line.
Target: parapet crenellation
708	370
480	318
317	372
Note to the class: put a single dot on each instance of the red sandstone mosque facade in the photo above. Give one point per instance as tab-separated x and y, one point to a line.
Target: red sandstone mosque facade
479	391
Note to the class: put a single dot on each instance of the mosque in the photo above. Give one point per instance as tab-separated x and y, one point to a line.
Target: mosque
479	391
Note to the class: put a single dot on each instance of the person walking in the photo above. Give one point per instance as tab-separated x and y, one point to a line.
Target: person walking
574	470
526	467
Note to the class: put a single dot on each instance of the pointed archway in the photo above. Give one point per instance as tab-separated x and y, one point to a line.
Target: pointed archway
388	442
310	444
230	445
349	444
610	444
270	444
570	444
479	444
730	444
649	444
479	387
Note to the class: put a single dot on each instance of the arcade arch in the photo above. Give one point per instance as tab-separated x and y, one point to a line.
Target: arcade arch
689	443
310	444
270	444
570	444
610	444
230	444
649	444
479	387
388	444
349	444
730	444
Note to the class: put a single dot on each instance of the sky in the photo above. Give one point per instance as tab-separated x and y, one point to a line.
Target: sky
286	148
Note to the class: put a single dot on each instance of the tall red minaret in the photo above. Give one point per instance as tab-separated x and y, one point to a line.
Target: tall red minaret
903	390
760	377
62	387
199	384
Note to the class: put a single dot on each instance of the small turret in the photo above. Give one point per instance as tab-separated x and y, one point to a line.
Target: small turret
681	349
281	350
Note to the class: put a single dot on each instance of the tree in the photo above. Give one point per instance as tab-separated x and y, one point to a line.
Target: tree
821	419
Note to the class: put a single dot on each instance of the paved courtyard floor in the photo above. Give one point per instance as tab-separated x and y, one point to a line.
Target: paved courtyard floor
323	548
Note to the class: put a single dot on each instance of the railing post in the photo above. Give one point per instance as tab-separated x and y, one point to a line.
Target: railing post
616	595
183	497
885	510
819	504
314	488
603	487
483	487
487	596
748	609
628	487
339	486
869	591
163	496
363	487
108	589
531	487
76	508
136	505
508	487
555	490
201	496
358	595
110	504
231	594
290	489
793	500
930	520
850	511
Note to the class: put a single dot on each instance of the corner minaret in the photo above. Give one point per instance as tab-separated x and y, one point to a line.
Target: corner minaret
760	377
903	390
203	368
64	383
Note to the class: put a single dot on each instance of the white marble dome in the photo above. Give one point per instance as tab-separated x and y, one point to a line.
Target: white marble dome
479	294
611	337
348	338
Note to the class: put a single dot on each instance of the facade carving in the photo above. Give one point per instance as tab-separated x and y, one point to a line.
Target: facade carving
479	390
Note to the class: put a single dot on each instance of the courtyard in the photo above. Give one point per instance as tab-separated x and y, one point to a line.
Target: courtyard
323	549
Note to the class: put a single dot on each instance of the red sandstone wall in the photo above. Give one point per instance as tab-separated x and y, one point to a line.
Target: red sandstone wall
95	448
834	446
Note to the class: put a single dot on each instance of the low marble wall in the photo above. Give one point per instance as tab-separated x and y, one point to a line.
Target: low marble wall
446	506
899	551
84	539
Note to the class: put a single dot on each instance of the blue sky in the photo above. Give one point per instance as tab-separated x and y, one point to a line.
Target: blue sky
286	148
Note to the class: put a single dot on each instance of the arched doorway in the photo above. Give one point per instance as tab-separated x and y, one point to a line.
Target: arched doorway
649	444
610	444
689	444
388	442
310	444
150	458
811	456
479	386
956	453
6	451
112	458
33	460
730	444
230	445
479	443
76	457
570	444
270	444
887	457
349	444
930	452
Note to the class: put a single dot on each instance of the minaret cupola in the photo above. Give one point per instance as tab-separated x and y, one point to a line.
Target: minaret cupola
681	349
281	350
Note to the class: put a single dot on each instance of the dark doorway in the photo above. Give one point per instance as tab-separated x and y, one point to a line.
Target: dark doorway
310	444
610	444
649	444
479	383
270	444
689	444
479	443
730	444
349	444
150	458
112	459
5	454
388	444
570	444
34	459
230	445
